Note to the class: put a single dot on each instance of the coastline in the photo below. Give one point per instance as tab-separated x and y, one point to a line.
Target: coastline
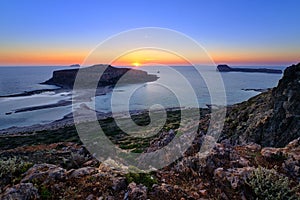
66	102
65	120
68	121
33	92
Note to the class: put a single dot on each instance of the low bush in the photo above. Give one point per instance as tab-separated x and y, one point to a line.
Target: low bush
267	184
13	166
137	176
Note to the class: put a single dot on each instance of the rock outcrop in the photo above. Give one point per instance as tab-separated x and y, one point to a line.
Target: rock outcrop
226	68
89	76
22	191
222	173
271	118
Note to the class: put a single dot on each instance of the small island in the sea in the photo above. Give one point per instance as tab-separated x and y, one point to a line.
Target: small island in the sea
110	76
75	65
226	68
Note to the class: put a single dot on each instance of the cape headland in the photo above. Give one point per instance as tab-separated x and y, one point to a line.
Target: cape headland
226	68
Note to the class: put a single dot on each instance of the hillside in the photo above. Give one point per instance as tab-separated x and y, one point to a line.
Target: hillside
271	118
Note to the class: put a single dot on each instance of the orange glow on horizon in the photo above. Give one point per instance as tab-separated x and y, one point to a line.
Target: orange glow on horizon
148	57
142	58
46	57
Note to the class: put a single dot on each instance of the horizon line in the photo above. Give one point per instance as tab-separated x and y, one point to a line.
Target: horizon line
146	65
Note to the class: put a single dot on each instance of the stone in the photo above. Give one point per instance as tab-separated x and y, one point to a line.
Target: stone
203	192
44	173
22	191
138	192
90	197
119	184
77	173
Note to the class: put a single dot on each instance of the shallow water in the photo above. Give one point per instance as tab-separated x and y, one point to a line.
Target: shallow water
177	87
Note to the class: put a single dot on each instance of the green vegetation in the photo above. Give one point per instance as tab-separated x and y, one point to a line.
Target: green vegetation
65	134
139	177
267	184
45	193
109	126
11	170
13	167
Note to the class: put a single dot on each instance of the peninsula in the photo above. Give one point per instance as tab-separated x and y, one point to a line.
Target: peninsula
226	68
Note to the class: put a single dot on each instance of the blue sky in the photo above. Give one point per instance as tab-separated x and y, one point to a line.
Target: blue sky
35	30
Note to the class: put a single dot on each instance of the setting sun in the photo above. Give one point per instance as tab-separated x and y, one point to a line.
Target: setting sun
136	64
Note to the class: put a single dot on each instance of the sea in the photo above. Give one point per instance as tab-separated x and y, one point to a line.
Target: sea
177	86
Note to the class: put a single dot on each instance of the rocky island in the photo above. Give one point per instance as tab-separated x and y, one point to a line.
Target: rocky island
110	76
89	77
75	65
226	68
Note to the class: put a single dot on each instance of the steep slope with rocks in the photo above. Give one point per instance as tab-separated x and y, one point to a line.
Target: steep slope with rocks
271	118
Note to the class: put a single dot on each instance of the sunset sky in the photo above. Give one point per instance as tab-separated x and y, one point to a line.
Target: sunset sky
240	32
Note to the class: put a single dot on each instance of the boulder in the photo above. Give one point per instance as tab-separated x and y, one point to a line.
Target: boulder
137	192
22	191
77	173
44	173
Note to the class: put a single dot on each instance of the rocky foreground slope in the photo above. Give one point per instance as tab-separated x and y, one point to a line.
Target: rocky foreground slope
257	157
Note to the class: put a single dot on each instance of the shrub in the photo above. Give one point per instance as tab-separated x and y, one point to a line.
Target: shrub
45	193
13	166
267	184
141	178
78	159
137	176
11	169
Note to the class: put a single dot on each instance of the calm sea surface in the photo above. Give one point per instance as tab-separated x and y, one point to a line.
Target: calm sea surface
172	89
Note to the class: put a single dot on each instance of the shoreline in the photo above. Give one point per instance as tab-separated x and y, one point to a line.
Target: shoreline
68	121
33	92
61	103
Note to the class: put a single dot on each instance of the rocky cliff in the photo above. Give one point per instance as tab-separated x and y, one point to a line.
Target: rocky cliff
271	118
88	76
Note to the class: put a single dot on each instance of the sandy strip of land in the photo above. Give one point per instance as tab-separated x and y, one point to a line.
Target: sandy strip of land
68	120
